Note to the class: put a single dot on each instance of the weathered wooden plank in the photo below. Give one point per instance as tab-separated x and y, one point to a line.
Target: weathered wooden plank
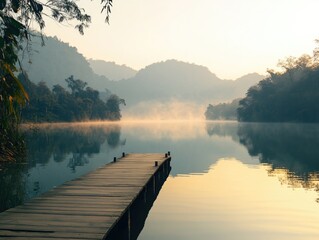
65	200
80	193
124	173
109	182
74	211
57	235
41	238
85	208
66	207
89	199
104	188
36	222
12	216
41	228
110	178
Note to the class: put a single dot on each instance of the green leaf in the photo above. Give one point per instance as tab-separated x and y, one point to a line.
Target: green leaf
37	8
13	26
1	43
15	5
16	24
2	4
21	95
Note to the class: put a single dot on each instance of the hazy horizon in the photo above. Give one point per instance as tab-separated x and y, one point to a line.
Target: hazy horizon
231	38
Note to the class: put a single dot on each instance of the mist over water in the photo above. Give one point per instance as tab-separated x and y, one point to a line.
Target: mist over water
164	111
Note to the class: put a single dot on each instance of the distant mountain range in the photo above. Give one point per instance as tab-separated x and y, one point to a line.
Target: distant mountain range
113	71
176	80
159	82
56	61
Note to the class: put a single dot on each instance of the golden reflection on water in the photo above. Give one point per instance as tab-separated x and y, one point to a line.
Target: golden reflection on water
290	179
233	201
173	130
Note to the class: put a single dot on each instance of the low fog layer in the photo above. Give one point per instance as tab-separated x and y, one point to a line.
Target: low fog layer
164	111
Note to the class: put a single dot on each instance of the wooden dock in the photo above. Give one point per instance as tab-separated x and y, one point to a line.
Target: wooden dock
94	206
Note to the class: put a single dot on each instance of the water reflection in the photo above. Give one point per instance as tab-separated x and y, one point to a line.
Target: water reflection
12	185
223	129
56	153
58	141
232	201
291	150
193	150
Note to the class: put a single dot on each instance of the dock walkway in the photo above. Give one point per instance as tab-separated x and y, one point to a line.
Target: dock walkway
88	207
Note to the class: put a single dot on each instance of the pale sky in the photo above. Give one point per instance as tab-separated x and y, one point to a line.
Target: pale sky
230	37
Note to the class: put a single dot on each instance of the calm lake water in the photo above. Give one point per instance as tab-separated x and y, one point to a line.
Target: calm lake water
228	180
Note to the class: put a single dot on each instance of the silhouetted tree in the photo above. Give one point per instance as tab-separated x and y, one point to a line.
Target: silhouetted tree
226	111
16	17
288	96
76	85
61	105
113	107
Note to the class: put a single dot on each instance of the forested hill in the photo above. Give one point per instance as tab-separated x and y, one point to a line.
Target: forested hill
288	96
56	61
78	102
180	81
111	70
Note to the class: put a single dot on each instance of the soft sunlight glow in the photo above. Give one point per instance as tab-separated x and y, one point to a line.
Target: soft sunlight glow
172	130
165	111
230	37
231	200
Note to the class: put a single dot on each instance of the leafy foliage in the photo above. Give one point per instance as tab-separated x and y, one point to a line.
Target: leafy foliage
16	19
225	111
82	103
12	93
12	185
288	96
